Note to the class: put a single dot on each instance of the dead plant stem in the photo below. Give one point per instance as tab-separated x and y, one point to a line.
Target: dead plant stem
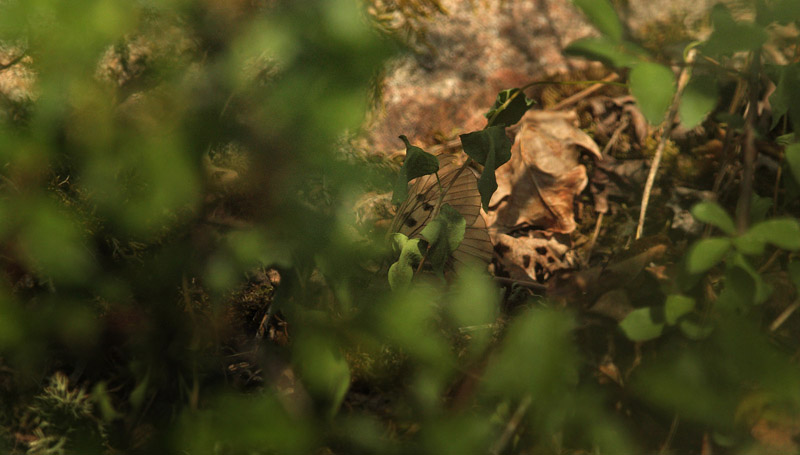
683	79
749	147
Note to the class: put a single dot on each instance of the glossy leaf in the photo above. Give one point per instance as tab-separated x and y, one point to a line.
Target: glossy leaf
444	234
706	253
653	86
698	100
417	163
677	306
710	212
491	148
639	325
603	16
508	108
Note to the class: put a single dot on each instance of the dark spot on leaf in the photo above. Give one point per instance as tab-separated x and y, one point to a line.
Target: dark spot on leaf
410	222
421	197
550	260
526	261
541	250
427	207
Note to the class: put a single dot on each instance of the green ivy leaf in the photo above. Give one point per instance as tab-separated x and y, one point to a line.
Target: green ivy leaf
653	86
698	100
417	163
402	272
508	108
706	253
491	148
612	53
639	325
444	234
603	16
730	36
710	212
677	306
792	155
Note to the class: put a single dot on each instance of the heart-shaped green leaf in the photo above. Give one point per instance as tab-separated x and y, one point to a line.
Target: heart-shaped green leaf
444	234
417	163
639	325
491	148
710	212
706	253
698	100
677	306
508	108
653	86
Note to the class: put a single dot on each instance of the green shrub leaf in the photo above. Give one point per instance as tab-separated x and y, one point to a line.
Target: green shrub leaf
508	108
402	272
653	86
781	232
603	16
710	212
639	325
417	163
792	155
677	306
491	148
698	100
706	253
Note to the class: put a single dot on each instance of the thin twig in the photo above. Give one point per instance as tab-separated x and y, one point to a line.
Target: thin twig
683	79
668	442
524	283
784	316
584	93
511	427
749	148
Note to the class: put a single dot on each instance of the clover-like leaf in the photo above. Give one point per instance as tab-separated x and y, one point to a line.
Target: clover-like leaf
603	16
402	272
639	325
706	253
491	148
710	212
444	234
698	100
653	86
417	163
508	108
677	306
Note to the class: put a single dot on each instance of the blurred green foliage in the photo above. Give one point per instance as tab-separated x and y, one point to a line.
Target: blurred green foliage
136	319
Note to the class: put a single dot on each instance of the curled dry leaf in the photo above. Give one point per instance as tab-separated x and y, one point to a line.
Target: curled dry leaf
538	185
532	257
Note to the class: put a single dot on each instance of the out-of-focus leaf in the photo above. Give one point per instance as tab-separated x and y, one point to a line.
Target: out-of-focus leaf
603	16
710	212
417	163
706	253
677	306
444	234
781	232
698	100
508	108
639	325
762	289
653	86
491	148
323	369
605	50
402	271
694	328
794	273
730	36
473	307
792	155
